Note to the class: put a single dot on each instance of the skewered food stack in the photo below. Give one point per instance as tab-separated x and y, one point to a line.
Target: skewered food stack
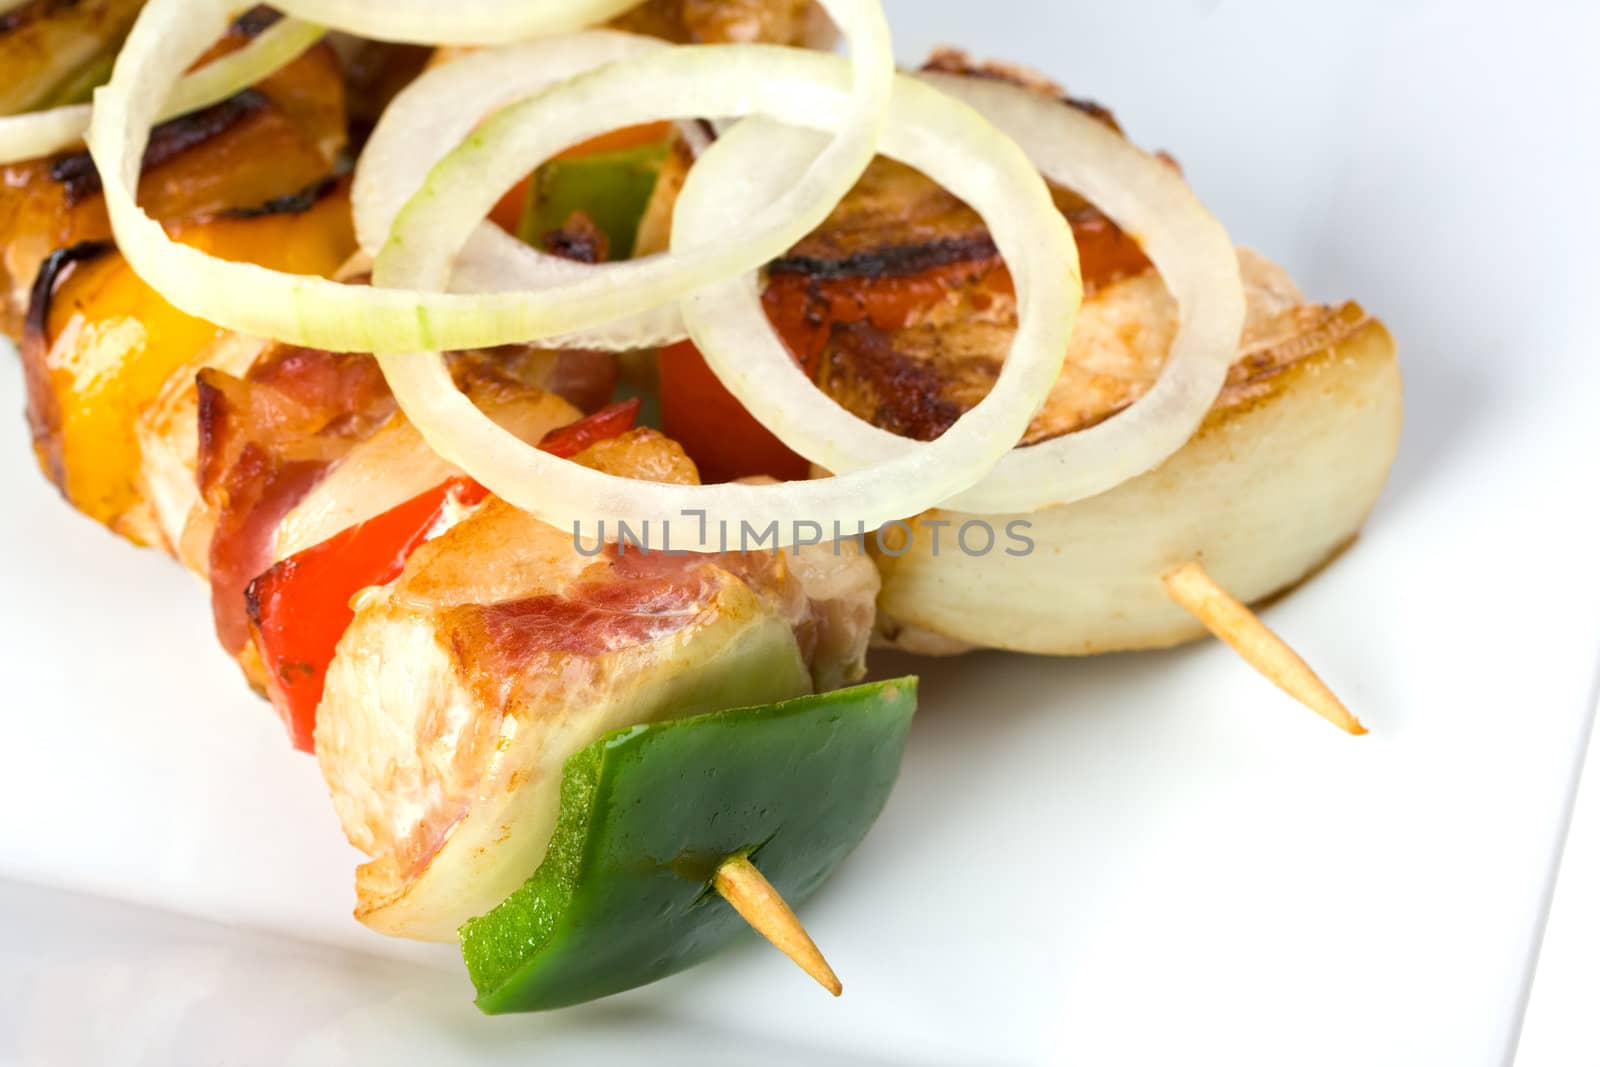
560	751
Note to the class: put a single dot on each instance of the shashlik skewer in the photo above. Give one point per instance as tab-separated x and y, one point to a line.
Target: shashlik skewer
248	442
269	380
328	411
198	166
900	309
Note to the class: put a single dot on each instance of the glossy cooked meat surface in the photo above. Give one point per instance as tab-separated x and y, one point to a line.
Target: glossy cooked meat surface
460	688
903	312
900	308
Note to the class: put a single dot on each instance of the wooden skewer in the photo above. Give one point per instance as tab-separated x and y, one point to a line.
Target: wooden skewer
1198	593
753	897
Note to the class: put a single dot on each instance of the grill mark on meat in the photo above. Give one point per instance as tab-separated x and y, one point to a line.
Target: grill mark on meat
1309	330
891	261
726	21
909	392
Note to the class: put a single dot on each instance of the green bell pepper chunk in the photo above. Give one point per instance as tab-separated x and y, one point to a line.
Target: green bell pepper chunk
623	897
612	188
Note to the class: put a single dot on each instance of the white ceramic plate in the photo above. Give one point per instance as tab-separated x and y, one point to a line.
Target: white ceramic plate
1147	859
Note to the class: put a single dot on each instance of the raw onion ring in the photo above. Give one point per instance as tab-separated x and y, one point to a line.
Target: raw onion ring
1137	191
322	314
436	112
43	133
926	129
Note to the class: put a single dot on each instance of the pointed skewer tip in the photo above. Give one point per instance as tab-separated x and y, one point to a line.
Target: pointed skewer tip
752	896
1241	629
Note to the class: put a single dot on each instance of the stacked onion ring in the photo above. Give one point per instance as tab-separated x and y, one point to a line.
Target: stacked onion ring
444	278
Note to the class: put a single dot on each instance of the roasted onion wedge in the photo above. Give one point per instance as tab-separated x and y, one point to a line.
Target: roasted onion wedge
1281	476
900	311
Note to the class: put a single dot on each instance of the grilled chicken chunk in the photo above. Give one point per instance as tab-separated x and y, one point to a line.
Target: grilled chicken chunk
461	688
902	312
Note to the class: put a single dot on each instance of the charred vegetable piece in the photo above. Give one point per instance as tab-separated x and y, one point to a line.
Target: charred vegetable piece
301	607
100	345
612	188
51	51
649	813
198	165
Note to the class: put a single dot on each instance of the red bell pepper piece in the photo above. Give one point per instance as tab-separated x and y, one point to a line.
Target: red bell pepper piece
301	607
725	441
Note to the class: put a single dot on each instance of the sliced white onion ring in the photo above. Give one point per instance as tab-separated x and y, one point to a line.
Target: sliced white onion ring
322	314
436	112
1142	195
43	133
926	129
456	22
1189	248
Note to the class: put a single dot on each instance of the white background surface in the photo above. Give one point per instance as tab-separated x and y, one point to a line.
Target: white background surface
1134	860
